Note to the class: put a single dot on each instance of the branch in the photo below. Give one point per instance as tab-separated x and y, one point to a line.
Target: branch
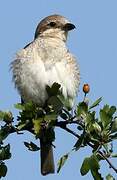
12	129
62	124
108	161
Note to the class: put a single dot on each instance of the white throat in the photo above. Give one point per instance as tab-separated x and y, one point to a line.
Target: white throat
55	33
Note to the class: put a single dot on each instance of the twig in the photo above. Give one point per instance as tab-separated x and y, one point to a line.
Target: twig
108	161
71	132
62	124
12	129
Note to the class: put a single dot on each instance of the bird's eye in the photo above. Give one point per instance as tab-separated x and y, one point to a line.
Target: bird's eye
52	24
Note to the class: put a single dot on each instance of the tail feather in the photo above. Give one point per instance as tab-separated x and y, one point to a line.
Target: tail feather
47	159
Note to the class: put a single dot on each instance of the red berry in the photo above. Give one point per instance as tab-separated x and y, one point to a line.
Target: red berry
86	88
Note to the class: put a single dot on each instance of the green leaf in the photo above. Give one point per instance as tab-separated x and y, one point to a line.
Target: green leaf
96	103
79	142
105	118
31	146
96	175
114	136
110	177
61	162
37	126
94	129
3	170
94	167
114	126
20	126
112	110
94	164
90	118
6	116
65	101
2	115
30	106
106	147
53	90
106	108
56	104
50	117
19	106
85	166
4	132
82	109
114	155
5	152
97	128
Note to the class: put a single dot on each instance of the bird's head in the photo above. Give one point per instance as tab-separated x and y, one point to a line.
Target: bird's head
54	26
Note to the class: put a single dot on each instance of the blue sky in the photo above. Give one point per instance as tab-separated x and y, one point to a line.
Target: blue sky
94	43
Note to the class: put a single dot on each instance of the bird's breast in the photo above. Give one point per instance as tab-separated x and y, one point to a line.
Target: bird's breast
38	67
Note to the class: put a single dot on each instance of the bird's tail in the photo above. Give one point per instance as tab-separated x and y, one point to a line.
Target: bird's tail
47	159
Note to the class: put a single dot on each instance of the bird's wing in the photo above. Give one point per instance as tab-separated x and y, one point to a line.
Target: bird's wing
28	45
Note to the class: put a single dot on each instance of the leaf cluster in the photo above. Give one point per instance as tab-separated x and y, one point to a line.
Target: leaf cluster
98	132
94	130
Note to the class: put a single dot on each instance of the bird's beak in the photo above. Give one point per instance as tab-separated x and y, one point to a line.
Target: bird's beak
69	27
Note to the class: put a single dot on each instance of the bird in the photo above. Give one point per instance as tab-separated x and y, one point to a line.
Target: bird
42	62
